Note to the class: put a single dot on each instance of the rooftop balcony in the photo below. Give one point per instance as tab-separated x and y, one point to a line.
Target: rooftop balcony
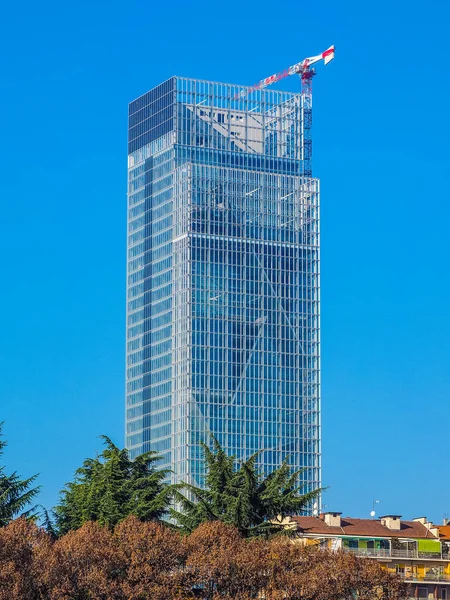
399	553
430	577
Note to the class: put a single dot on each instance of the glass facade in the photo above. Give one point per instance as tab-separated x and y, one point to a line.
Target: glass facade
223	330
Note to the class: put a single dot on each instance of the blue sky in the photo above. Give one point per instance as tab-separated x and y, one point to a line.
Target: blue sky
381	131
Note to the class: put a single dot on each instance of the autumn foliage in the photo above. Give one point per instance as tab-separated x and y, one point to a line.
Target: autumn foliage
149	561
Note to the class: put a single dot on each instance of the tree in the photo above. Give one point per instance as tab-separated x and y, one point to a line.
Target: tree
86	564
22	543
15	493
148	560
154	558
240	496
110	487
222	564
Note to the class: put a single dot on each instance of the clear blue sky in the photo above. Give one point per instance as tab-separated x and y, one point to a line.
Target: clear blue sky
381	135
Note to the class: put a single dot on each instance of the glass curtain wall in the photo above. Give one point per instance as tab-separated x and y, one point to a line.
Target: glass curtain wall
223	332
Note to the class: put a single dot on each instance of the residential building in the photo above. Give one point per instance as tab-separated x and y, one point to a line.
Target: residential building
416	550
444	531
223	277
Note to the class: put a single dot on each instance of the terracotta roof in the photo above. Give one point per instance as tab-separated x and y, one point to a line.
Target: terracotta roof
444	532
362	527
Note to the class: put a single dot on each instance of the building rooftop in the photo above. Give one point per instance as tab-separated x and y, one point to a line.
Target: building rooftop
444	532
364	527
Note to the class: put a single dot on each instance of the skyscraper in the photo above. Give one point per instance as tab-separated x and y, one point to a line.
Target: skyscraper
223	277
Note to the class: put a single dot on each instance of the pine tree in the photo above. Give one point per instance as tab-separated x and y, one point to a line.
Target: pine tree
111	487
237	494
15	494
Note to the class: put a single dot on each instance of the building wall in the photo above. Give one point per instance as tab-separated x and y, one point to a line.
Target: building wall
426	576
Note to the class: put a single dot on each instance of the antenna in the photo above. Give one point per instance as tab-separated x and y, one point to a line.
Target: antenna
372	512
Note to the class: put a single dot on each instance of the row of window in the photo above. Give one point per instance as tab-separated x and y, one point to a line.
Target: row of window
274	313
228	378
138	407
161	169
151	282
233	348
156	247
139	222
283	234
152	350
155	390
222	207
136	199
160	95
204	253
259	441
271	341
155	364
240	137
163	156
136	172
151	296
161	210
233	159
258	365
288	416
135	330
144	436
151	128
271	385
263	250
221	94
151	230
248	183
301	317
264	391
248	428
136	263
305	393
136	184
151	223
145	151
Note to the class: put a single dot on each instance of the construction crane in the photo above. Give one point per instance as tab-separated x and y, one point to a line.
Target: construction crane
303	69
306	73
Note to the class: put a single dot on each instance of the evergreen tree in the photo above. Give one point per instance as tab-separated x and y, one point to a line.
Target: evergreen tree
47	524
237	494
15	493
110	487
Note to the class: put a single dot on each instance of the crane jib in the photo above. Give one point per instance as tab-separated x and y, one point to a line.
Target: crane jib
301	68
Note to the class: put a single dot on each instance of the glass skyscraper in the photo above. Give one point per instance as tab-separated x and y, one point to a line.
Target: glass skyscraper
223	277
